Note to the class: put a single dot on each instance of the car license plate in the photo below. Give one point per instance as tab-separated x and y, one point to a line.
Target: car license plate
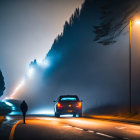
69	110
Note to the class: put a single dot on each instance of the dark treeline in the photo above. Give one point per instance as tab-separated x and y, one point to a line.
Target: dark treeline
2	84
4	109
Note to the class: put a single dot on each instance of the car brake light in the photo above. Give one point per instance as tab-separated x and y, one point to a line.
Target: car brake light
59	105
79	105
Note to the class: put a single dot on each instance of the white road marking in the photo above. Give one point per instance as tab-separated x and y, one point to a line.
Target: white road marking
90	131
126	138
104	135
120	127
78	128
67	126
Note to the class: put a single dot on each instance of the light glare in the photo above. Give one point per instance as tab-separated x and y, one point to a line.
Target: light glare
43	112
9	104
30	72
8	118
17	88
67	115
43	63
137	22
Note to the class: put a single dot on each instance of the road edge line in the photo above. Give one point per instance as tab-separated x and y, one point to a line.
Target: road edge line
13	130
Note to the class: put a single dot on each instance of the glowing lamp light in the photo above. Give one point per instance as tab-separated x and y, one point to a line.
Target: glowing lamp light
10	104
137	22
59	105
68	99
66	115
8	118
79	105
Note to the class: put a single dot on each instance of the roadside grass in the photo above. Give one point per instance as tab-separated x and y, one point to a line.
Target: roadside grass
115	117
124	117
137	117
114	113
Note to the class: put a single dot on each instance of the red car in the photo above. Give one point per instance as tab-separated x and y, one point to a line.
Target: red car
68	104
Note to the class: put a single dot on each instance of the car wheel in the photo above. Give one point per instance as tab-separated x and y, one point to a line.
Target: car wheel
57	115
80	114
74	115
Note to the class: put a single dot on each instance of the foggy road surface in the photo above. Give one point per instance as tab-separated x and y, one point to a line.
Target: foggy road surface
51	128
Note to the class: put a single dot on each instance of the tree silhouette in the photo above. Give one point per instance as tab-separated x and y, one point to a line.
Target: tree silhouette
112	21
2	84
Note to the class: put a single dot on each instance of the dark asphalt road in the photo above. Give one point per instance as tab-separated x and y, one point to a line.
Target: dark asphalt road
50	128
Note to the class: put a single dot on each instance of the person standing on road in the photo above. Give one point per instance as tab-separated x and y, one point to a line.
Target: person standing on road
24	108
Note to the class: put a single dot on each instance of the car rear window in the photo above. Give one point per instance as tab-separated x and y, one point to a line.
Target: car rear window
68	99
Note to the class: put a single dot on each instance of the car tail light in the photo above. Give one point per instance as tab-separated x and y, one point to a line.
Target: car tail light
79	105
59	105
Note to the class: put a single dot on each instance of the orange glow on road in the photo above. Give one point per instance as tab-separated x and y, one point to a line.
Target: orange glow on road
11	137
98	125
83	126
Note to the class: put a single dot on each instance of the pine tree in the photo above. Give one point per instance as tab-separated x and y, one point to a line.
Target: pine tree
2	84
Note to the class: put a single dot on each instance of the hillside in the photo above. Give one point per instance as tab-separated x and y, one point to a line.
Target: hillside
97	73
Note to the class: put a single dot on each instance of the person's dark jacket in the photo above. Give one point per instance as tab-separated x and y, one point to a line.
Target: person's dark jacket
24	107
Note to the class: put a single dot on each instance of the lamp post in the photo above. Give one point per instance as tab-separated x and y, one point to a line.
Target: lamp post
130	83
130	90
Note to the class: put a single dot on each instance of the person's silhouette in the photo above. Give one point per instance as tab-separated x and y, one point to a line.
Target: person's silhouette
24	108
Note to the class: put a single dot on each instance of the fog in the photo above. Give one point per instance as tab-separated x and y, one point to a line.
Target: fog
87	62
27	31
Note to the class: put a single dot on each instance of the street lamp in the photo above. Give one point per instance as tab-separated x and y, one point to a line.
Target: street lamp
130	100
137	22
130	86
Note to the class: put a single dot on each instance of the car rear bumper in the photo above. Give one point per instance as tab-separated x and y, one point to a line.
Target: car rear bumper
68	111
